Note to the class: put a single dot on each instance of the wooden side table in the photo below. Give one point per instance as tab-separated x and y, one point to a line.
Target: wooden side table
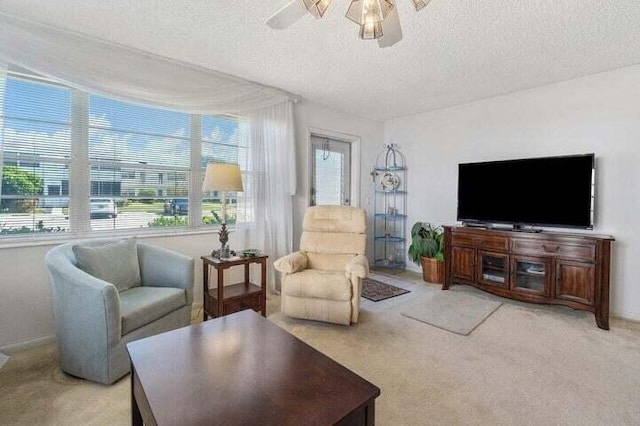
225	300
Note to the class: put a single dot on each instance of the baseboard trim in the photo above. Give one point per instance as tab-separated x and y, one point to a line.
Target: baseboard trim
414	268
629	316
3	359
34	343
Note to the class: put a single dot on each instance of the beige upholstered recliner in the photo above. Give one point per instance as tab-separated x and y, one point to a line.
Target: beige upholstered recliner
323	280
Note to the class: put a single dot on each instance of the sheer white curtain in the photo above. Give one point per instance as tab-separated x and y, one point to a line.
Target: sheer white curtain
265	216
128	74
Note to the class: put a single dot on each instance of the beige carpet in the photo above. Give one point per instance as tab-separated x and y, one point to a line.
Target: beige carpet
526	365
453	311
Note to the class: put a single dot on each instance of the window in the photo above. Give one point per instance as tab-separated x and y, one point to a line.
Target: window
35	128
225	140
133	161
128	141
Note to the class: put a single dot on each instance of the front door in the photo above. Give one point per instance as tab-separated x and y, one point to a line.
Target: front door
330	172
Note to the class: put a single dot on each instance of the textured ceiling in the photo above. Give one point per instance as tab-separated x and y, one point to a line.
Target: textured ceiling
454	51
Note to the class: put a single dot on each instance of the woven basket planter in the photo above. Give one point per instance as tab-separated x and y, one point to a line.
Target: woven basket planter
432	270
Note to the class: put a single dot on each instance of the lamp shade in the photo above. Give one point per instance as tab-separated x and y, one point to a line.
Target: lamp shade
222	177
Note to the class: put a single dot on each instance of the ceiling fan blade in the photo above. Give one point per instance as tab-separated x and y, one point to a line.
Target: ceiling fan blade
392	31
287	16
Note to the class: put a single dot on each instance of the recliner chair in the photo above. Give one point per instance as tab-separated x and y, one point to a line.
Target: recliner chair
94	320
323	281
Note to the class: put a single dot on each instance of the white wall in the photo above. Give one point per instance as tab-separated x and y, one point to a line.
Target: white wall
25	304
598	113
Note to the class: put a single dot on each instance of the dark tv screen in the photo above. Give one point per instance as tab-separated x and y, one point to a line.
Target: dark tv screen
551	191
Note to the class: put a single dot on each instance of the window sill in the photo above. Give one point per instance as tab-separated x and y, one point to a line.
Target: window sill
39	240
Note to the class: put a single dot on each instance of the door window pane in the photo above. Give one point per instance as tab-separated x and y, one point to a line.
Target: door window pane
331	176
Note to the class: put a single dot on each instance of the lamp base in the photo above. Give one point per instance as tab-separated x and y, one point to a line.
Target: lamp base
223	252
224	235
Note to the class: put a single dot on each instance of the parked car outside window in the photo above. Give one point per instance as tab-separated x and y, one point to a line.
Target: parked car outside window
177	206
103	208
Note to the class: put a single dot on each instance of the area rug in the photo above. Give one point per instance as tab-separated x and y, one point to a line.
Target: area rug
452	311
376	290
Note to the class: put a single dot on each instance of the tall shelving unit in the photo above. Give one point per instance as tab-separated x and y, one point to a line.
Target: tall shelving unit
390	208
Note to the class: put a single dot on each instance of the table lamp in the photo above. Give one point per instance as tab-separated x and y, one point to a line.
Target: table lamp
222	177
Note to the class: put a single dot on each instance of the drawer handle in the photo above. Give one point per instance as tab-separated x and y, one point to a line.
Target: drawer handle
550	249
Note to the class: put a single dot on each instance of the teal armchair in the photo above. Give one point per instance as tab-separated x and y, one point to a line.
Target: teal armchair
94	321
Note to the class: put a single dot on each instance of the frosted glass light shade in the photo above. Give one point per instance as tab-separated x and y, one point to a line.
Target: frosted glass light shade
222	177
371	31
419	4
369	12
317	7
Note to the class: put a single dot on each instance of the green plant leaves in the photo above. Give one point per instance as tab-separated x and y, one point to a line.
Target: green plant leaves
426	240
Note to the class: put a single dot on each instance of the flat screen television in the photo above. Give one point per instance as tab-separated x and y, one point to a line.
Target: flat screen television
549	191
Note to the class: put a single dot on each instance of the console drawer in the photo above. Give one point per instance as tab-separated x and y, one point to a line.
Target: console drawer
485	242
579	250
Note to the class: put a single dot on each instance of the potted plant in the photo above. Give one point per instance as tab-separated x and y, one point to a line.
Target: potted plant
427	250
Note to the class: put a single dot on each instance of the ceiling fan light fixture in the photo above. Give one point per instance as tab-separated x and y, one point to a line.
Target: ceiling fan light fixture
317	8
369	12
419	4
371	30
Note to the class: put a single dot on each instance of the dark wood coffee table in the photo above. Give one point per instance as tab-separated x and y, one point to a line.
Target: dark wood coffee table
242	369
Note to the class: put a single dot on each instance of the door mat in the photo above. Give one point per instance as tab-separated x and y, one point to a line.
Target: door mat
376	290
452	311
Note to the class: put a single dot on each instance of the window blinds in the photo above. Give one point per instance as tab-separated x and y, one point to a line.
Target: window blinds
139	158
36	152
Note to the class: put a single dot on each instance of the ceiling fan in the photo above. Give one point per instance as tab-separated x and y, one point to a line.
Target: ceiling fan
378	19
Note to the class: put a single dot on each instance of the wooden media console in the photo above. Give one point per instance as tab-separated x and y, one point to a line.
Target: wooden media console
546	267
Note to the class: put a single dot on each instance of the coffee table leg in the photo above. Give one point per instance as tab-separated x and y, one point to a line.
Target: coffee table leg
205	288
263	284
136	417
370	413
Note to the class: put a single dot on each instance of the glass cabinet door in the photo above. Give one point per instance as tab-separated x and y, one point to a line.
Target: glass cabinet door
493	269
531	275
